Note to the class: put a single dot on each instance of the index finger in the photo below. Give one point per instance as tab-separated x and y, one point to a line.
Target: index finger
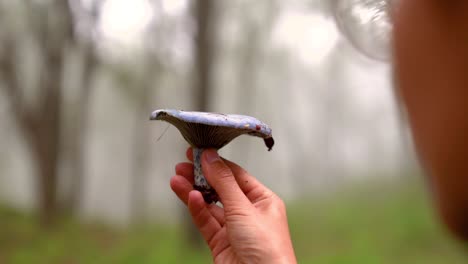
189	154
222	179
250	186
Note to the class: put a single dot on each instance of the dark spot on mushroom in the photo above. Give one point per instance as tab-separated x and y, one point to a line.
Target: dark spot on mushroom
269	142
258	127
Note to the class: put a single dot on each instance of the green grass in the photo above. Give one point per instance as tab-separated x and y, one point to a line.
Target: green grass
379	224
22	241
367	224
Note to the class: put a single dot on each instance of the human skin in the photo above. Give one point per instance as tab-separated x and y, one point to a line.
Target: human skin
431	69
251	227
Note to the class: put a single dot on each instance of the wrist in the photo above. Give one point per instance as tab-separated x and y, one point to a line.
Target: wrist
283	259
284	256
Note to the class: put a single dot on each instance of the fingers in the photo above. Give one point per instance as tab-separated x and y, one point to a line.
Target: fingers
217	212
244	179
189	154
221	177
253	189
181	187
202	217
185	169
182	184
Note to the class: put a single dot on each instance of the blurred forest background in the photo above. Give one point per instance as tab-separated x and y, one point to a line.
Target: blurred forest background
83	178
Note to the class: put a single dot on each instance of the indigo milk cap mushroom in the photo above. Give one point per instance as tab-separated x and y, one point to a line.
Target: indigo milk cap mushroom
204	130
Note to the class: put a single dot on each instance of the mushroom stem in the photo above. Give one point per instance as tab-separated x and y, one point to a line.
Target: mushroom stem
201	184
200	180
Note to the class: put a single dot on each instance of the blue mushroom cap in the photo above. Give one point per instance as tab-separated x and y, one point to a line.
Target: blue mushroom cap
213	130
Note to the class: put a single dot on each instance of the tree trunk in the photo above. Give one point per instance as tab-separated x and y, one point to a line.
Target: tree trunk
48	137
51	27
140	151
47	186
203	46
77	134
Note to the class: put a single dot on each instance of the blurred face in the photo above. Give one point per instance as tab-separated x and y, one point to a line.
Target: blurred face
430	55
431	59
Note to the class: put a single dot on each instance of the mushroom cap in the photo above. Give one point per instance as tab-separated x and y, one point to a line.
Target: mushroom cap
213	130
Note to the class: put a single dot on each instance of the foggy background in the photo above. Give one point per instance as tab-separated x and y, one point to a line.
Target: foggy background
79	79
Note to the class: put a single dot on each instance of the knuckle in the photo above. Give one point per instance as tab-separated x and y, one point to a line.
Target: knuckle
237	211
225	174
278	206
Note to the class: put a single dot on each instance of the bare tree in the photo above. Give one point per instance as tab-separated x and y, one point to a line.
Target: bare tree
204	40
141	137
204	52
76	133
51	28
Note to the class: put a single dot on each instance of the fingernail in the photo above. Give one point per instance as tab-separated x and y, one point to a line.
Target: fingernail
211	156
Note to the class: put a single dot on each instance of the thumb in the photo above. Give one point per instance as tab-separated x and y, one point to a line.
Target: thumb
221	178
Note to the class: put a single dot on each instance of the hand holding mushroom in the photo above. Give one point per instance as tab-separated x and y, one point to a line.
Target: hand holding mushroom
252	225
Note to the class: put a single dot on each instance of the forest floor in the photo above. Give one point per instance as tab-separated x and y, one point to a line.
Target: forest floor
366	224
